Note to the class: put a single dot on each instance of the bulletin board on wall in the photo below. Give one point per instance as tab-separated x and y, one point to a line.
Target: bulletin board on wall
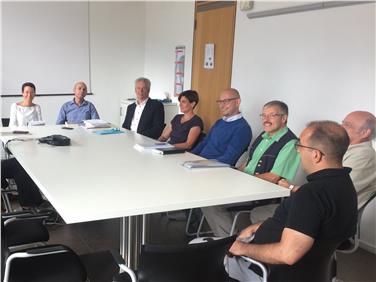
46	43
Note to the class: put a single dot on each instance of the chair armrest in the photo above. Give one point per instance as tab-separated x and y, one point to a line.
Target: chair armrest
8	190
35	252
129	271
24	216
260	265
121	263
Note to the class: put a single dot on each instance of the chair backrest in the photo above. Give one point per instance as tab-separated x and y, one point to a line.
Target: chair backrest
5	122
361	210
351	245
195	262
25	229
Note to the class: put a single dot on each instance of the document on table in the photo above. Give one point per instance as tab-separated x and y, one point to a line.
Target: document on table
96	123
108	131
204	164
151	146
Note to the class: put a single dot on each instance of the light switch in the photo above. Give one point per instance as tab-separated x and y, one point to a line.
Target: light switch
209	56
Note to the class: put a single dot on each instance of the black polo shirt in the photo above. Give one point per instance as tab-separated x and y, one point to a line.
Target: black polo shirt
325	209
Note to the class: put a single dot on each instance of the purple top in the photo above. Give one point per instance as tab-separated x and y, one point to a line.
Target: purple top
180	130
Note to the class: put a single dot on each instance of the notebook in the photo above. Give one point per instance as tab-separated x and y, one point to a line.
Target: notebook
168	151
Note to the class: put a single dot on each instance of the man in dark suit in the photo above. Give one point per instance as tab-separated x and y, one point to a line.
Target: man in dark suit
145	116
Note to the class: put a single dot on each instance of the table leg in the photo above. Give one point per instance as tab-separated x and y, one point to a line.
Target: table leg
123	243
131	237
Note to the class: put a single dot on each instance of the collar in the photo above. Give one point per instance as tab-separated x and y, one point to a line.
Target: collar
84	102
142	103
328	172
363	144
233	118
277	136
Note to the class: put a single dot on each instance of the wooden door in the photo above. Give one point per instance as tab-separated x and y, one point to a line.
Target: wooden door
214	23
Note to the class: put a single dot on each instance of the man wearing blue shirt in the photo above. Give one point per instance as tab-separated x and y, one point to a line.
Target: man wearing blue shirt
78	109
230	136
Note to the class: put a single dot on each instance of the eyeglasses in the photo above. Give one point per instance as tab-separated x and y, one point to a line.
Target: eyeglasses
270	116
297	144
226	101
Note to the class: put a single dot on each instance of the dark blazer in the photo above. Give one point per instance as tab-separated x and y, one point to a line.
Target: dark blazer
152	119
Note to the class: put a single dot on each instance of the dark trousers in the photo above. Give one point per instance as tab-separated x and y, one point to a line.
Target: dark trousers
28	192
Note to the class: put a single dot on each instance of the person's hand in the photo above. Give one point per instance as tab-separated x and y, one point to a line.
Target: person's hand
284	183
249	231
238	248
242	166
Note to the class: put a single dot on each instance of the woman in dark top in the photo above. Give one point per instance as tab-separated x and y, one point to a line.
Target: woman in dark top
185	128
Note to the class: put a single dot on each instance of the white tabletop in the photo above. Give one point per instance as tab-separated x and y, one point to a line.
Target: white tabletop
103	176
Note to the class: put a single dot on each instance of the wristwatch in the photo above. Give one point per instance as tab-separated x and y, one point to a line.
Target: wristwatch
292	186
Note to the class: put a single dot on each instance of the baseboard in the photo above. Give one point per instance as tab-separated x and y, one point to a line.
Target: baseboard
368	247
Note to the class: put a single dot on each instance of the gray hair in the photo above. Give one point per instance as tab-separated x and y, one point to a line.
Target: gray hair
281	105
370	123
145	81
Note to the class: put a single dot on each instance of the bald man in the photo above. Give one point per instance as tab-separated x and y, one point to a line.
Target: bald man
78	109
229	136
360	156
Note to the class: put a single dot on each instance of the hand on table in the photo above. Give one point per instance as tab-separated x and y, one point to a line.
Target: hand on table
284	183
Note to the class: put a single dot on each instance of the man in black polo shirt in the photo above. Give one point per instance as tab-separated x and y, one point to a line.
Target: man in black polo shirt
310	224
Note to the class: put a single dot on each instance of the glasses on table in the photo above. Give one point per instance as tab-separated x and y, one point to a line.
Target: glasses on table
226	101
270	116
297	145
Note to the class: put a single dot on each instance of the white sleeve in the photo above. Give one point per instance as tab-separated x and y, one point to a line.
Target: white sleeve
39	112
13	115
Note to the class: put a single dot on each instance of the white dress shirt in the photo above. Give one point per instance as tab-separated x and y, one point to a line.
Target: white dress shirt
137	114
232	118
21	116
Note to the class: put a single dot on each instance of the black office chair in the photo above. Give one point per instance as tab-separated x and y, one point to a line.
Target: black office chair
351	245
195	262
24	227
41	264
5	122
35	264
9	190
316	265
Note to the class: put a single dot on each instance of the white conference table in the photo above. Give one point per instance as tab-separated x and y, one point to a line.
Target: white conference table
102	176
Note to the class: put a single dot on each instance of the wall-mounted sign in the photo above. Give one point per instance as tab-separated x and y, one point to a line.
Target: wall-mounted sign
179	69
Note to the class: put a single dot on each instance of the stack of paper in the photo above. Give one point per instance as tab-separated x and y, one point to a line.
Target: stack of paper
96	123
204	164
151	146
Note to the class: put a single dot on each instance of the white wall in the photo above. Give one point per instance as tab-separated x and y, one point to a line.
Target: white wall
168	24
117	48
117	53
321	63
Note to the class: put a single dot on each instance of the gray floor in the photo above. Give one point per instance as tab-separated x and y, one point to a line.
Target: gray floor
103	235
